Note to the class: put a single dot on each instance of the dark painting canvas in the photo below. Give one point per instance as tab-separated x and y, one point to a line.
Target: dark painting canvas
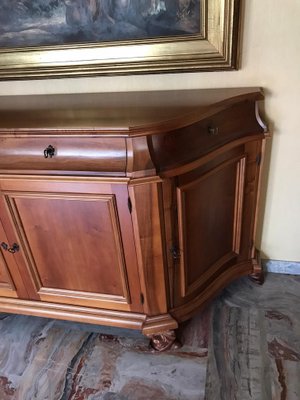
53	22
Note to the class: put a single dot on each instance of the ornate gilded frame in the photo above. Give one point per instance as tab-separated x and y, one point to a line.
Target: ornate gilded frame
215	48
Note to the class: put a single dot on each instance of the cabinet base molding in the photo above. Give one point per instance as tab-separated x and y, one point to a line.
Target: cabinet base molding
129	320
121	319
159	324
187	310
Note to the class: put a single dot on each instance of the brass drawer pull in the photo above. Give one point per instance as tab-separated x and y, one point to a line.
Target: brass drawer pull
15	247
49	151
213	130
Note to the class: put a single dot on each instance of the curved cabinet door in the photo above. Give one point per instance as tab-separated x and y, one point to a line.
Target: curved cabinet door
76	241
215	217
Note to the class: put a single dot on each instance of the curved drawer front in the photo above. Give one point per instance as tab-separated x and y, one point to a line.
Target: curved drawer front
64	154
185	145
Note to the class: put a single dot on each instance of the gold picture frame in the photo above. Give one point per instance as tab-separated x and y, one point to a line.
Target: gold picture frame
214	48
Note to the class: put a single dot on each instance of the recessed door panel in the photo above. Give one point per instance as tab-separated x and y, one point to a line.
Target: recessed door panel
75	243
210	209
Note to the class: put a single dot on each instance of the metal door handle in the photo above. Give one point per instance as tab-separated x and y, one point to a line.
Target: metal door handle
49	151
15	247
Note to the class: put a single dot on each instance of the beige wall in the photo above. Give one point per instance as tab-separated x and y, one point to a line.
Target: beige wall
270	59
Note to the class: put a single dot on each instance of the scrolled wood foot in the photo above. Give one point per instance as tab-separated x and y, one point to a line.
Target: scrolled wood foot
257	276
164	341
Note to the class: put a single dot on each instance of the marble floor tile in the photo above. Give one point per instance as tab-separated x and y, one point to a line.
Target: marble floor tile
244	346
45	359
254	348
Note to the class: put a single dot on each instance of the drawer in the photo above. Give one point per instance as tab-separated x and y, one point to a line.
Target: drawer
185	145
103	155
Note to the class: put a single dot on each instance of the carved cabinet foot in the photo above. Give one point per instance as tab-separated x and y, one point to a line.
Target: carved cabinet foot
257	276
164	341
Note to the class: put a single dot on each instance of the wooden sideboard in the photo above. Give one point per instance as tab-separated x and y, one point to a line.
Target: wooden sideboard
127	209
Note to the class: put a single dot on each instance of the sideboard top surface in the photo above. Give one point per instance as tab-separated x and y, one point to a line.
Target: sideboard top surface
116	114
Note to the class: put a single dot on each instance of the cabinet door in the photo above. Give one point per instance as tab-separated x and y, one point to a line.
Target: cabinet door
7	287
11	284
215	217
76	241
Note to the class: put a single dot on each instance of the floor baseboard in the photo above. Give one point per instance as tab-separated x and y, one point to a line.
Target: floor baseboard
282	267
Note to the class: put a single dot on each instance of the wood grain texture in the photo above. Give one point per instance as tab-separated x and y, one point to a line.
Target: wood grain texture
7	288
73	244
91	315
79	231
188	144
92	154
209	222
139	161
212	288
254	151
115	114
147	223
148	205
160	323
12	283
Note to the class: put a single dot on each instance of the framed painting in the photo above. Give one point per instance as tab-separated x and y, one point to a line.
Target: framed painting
65	38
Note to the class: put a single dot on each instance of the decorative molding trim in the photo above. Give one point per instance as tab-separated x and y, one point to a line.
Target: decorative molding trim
282	267
159	323
121	319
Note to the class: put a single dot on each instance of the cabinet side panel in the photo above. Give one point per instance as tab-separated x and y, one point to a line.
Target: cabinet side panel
148	230
254	151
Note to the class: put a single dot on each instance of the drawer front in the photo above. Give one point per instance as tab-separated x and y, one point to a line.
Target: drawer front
185	145
104	155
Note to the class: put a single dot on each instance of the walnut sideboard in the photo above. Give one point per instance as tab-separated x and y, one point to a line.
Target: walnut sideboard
128	209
